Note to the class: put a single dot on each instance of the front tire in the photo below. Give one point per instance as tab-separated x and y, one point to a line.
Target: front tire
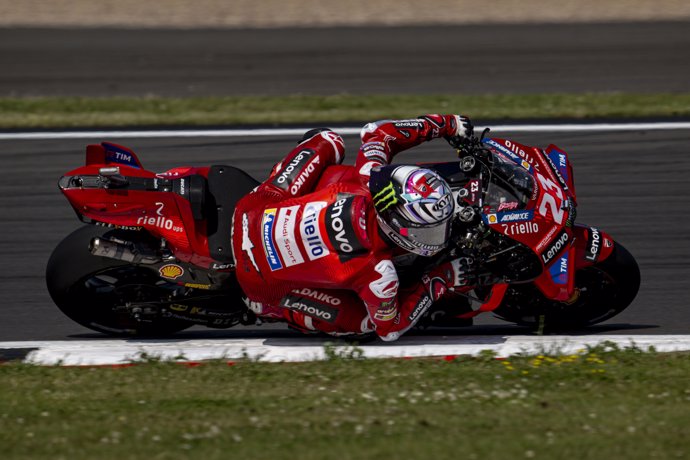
88	289
606	289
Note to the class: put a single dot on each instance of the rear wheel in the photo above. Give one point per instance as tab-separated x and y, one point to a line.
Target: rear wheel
605	290
94	291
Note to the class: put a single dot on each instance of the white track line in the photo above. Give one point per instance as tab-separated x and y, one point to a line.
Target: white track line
545	128
108	352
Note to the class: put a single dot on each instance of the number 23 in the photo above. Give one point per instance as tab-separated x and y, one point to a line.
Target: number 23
549	201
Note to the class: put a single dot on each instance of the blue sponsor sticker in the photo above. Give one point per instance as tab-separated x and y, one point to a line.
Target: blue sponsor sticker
509	153
508	216
115	154
559	270
503	149
560	161
267	224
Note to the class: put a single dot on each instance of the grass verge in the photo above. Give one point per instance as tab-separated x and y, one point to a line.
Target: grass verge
53	112
602	403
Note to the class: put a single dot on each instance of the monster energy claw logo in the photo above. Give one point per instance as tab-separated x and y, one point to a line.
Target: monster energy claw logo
385	198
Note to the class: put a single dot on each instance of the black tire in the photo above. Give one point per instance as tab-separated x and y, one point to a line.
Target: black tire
607	288
87	287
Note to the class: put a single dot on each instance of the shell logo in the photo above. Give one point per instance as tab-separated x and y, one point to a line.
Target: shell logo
171	271
492	218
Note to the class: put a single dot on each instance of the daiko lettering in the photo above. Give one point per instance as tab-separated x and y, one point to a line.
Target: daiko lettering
319	295
293	176
303	176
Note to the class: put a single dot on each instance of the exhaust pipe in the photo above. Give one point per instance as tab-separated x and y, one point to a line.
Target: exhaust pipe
121	250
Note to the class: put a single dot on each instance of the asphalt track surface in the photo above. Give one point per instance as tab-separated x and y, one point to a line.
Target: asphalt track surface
642	57
633	184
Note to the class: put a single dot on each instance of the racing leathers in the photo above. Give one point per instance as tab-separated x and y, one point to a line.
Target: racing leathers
307	244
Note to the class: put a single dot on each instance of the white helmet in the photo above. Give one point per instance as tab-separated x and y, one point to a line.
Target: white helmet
414	206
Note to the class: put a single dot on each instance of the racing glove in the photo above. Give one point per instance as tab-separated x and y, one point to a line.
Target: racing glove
465	130
454	275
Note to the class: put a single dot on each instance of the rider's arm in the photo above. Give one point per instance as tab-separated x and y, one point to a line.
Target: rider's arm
382	140
299	171
393	311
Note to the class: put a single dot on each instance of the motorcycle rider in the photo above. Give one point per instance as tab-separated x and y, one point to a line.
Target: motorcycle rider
317	251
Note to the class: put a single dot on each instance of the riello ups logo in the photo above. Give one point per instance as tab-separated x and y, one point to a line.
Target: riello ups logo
160	220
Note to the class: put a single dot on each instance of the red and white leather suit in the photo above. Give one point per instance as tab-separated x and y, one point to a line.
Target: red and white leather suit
310	253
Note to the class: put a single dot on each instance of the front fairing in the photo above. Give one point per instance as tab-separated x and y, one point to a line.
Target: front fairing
528	200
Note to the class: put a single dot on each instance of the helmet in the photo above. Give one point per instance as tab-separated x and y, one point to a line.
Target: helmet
413	206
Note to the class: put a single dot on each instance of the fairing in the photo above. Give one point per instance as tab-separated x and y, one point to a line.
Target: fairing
531	199
157	203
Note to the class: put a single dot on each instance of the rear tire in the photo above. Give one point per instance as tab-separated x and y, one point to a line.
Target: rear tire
86	288
607	288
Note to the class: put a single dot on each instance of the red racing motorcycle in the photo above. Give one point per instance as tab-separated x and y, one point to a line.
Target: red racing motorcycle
157	258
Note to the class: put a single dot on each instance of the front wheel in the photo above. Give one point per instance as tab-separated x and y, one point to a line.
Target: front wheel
605	289
93	290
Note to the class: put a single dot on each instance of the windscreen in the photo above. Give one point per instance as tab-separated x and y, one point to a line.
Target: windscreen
510	186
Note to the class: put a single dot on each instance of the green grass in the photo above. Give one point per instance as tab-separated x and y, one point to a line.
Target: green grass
94	112
600	404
